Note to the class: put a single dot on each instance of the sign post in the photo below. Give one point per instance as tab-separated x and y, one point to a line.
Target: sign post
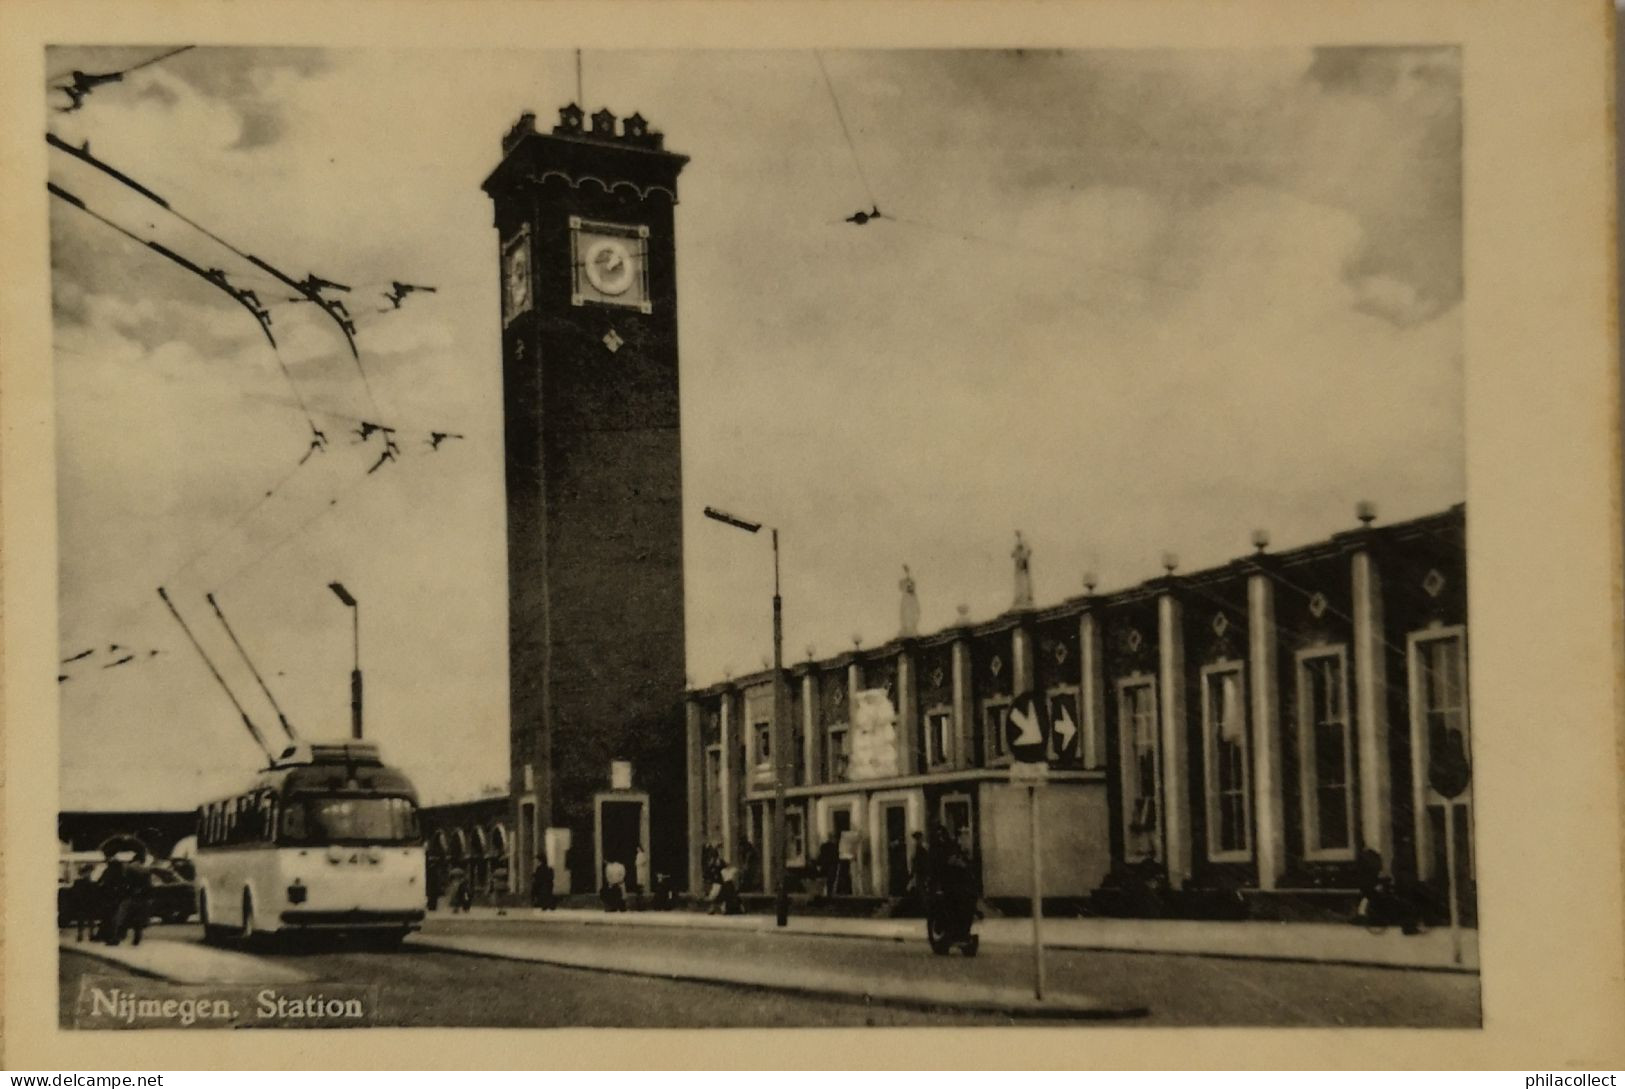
1449	773
1026	738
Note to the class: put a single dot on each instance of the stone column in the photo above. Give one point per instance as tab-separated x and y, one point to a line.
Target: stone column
1176	816
860	864
695	750
908	714
812	736
730	782
1021	660
1091	691
964	707
1264	684
1371	708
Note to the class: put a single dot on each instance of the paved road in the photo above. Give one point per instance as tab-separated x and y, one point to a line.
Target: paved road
423	987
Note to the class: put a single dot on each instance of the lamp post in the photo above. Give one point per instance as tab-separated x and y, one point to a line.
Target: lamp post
355	673
781	716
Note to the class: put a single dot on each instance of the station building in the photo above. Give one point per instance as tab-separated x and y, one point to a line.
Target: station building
1228	741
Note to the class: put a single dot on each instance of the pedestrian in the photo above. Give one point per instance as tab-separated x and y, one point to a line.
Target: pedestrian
136	906
111	887
434	882
663	898
896	867
846	860
640	870
713	895
541	884
919	872
829	864
728	893
459	893
613	892
84	904
747	863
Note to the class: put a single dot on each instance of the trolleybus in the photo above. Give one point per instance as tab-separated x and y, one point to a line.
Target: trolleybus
325	839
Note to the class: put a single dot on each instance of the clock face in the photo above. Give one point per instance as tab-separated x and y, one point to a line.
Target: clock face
611	264
516	277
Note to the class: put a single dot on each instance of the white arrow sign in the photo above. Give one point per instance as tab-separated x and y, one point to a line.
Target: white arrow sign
1027	722
1065	730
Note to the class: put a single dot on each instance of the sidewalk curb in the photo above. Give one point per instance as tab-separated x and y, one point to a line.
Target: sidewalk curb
757	924
1068	1008
141	960
101	957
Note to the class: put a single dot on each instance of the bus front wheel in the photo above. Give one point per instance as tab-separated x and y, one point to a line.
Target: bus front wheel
213	934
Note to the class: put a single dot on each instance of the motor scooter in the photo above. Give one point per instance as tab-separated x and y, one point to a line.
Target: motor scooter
950	917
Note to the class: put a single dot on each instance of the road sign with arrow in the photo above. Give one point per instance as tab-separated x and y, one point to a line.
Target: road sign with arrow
1064	734
1026	730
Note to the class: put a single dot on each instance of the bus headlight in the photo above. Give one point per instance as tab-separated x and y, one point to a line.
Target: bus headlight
374	855
334	854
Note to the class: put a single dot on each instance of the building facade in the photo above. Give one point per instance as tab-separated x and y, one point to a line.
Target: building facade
584	220
1230	740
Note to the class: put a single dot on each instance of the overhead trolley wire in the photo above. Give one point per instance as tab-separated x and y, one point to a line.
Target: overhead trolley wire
845	130
244	297
327	508
310	288
83	83
863	218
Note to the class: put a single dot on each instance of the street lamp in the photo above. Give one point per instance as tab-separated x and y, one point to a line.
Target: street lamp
781	717
355	672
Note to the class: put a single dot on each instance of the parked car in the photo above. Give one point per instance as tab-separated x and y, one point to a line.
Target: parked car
173	898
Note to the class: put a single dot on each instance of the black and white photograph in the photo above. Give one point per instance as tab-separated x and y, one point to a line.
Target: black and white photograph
555	536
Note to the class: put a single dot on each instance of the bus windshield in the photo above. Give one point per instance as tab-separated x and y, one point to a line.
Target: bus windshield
338	819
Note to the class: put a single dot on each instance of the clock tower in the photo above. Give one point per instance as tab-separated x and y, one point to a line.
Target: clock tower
587	260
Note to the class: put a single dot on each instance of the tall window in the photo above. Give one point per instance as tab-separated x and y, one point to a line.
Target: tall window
795	837
1142	770
1439	739
993	716
1441	664
713	793
762	744
840	752
939	746
956	818
1224	722
1326	751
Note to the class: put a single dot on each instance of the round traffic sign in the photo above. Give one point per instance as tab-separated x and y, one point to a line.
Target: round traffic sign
1026	730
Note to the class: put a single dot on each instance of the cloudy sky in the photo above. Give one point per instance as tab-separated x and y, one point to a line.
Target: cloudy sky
1128	302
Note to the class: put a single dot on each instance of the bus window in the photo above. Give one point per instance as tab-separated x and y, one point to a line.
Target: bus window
268	833
350	820
293	823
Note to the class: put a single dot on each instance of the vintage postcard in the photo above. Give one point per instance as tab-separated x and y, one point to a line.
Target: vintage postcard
1085	525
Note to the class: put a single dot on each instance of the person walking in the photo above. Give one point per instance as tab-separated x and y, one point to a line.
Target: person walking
919	873
541	885
111	889
847	861
136	906
84	909
640	871
613	893
728	893
829	860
